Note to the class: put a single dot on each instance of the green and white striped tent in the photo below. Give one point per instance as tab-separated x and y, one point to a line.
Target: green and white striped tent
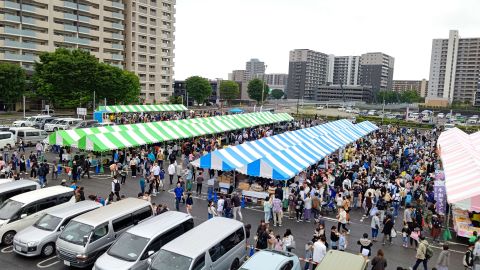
210	124
161	131
143	108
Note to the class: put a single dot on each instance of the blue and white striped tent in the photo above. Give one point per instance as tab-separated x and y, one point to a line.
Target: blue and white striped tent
283	156
285	164
234	157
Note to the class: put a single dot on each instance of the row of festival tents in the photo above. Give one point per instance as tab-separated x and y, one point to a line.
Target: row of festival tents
460	155
283	156
124	136
143	108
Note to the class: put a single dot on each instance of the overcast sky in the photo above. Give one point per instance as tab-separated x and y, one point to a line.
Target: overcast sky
214	37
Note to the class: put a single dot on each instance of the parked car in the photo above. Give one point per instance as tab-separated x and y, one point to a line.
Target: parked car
371	112
31	136
61	124
448	126
41	123
472	121
441	115
6	140
272	260
29	121
320	107
84	124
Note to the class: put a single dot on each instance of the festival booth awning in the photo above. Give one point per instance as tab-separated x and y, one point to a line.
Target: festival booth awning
157	132
226	122
143	108
460	157
290	152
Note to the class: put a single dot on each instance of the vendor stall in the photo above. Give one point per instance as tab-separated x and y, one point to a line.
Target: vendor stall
462	224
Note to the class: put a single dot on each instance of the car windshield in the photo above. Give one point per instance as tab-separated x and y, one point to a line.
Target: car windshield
75	232
128	247
47	223
169	260
9	208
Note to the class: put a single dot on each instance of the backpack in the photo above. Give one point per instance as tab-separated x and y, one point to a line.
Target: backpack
428	252
116	186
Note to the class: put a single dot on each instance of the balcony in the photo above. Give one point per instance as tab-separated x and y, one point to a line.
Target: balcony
71	5
20	57
117	36
84	19
84	30
117	46
71	28
118	26
10	18
70	16
118	5
118	57
20	32
19	45
29	20
84	8
11	5
76	40
29	8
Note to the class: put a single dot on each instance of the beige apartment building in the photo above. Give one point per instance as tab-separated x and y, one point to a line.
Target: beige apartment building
135	35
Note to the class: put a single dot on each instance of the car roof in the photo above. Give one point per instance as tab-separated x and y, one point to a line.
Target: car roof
111	211
41	116
74	209
21	128
194	241
33	195
266	259
159	224
68	118
5	132
17	184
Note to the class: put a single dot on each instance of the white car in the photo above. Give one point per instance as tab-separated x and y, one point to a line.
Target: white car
30	121
441	115
341	108
61	124
372	112
320	108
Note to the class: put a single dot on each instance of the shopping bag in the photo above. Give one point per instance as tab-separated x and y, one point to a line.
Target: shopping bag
393	233
374	211
447	235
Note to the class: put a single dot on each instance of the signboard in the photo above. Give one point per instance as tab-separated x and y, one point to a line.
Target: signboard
82	111
440	192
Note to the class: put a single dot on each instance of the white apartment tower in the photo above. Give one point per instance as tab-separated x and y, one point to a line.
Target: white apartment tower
254	69
344	70
130	34
455	69
149	46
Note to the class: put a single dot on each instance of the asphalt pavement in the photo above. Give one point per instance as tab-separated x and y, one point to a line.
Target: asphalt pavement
100	184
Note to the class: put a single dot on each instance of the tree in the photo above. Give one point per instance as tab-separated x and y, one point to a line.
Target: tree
277	93
175	99
229	90
198	88
68	78
12	84
255	87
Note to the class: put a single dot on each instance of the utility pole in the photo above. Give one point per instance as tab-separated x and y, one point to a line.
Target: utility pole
93	101
23	106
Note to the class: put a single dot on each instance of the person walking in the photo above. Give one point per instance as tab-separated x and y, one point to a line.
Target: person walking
421	256
299	208
171	171
365	246
267	209
133	166
443	260
319	251
308	208
141	182
236	207
387	230
379	262
277	212
288	240
178	196
123	174
342	219
468	258
116	188
189	202
375	226
211	210
199	183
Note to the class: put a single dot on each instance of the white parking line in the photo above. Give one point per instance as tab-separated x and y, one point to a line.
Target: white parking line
8	249
40	264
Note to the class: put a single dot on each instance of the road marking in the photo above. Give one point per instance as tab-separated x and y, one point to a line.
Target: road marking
39	265
8	249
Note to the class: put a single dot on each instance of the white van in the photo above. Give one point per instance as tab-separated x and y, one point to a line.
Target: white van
61	124
30	121
6	139
216	244
15	130
133	249
23	210
88	236
14	188
31	136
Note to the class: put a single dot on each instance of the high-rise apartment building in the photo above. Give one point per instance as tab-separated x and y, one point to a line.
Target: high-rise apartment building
455	69
130	34
149	46
409	85
237	75
345	70
28	28
254	69
308	69
277	80
377	71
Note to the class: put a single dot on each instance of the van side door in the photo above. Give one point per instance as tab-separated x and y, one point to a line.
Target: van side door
99	242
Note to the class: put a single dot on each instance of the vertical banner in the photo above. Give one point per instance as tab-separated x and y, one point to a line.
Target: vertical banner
440	192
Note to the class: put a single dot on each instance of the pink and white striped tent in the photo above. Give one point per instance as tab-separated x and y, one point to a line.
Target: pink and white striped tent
460	154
